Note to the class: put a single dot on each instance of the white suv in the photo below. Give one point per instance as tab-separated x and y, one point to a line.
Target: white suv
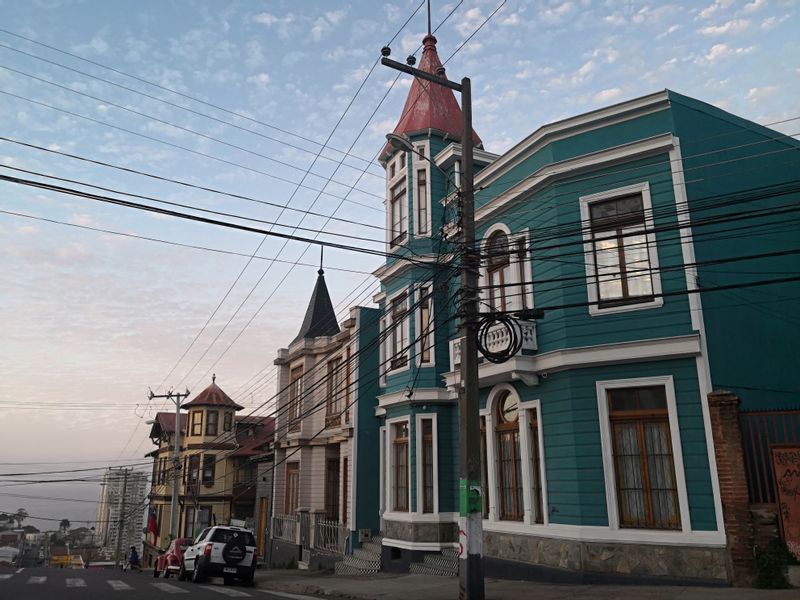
221	551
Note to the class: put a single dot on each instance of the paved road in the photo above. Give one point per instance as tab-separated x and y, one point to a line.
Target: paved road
89	584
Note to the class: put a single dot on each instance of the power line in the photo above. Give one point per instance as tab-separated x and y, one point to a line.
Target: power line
206	220
187	184
179	147
179	127
178	93
188	206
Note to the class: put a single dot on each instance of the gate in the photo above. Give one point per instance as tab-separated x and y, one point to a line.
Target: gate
761	431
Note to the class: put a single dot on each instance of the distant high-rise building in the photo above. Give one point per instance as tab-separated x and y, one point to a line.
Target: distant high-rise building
112	504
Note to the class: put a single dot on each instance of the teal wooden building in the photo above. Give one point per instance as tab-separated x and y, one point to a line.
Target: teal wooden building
659	238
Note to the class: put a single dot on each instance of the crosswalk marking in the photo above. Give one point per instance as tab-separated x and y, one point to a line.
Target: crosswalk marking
37	579
170	589
288	595
227	591
75	582
118	584
19	570
6	576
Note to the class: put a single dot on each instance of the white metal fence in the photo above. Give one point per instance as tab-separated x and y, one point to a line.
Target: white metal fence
284	527
330	536
312	533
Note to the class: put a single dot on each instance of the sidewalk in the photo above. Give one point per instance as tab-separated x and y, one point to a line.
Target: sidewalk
429	587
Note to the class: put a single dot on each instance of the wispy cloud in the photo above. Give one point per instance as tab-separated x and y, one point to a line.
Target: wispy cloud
758	94
97	46
721	51
607	95
771	22
731	27
557	13
754	6
717	6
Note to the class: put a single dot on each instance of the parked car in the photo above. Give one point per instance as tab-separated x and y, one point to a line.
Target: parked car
221	551
169	562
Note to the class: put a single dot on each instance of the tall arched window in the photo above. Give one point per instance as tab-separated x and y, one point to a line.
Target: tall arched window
497	253
509	461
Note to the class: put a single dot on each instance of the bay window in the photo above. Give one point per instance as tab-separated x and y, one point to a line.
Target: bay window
197	422
400	467
212	420
427	466
398	335
425	324
422	202
397	214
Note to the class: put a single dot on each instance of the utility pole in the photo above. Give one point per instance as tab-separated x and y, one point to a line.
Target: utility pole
471	584
121	516
177	398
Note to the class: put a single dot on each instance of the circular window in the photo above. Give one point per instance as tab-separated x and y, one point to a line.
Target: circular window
508	407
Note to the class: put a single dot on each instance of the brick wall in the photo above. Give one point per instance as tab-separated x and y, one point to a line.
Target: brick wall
724	412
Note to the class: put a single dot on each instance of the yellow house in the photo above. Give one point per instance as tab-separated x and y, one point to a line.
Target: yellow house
219	452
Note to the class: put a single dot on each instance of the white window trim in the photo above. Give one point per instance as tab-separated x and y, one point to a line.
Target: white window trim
516	286
383	475
386	346
419	164
419	326
401	172
492	452
608	454
418	448
527	472
591	269
389	498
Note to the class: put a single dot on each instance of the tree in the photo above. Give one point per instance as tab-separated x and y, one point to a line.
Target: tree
20	516
64	525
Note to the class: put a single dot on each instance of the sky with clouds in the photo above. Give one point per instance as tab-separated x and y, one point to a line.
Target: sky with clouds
273	104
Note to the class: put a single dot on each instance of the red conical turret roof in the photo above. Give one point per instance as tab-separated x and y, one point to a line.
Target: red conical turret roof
213	396
430	106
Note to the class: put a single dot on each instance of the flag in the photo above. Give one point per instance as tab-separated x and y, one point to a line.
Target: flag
152	525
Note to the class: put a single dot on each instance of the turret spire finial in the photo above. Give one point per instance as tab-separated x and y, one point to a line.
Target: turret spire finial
321	254
429	17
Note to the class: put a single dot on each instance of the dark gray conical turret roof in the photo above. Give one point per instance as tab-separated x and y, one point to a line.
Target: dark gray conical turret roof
320	320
